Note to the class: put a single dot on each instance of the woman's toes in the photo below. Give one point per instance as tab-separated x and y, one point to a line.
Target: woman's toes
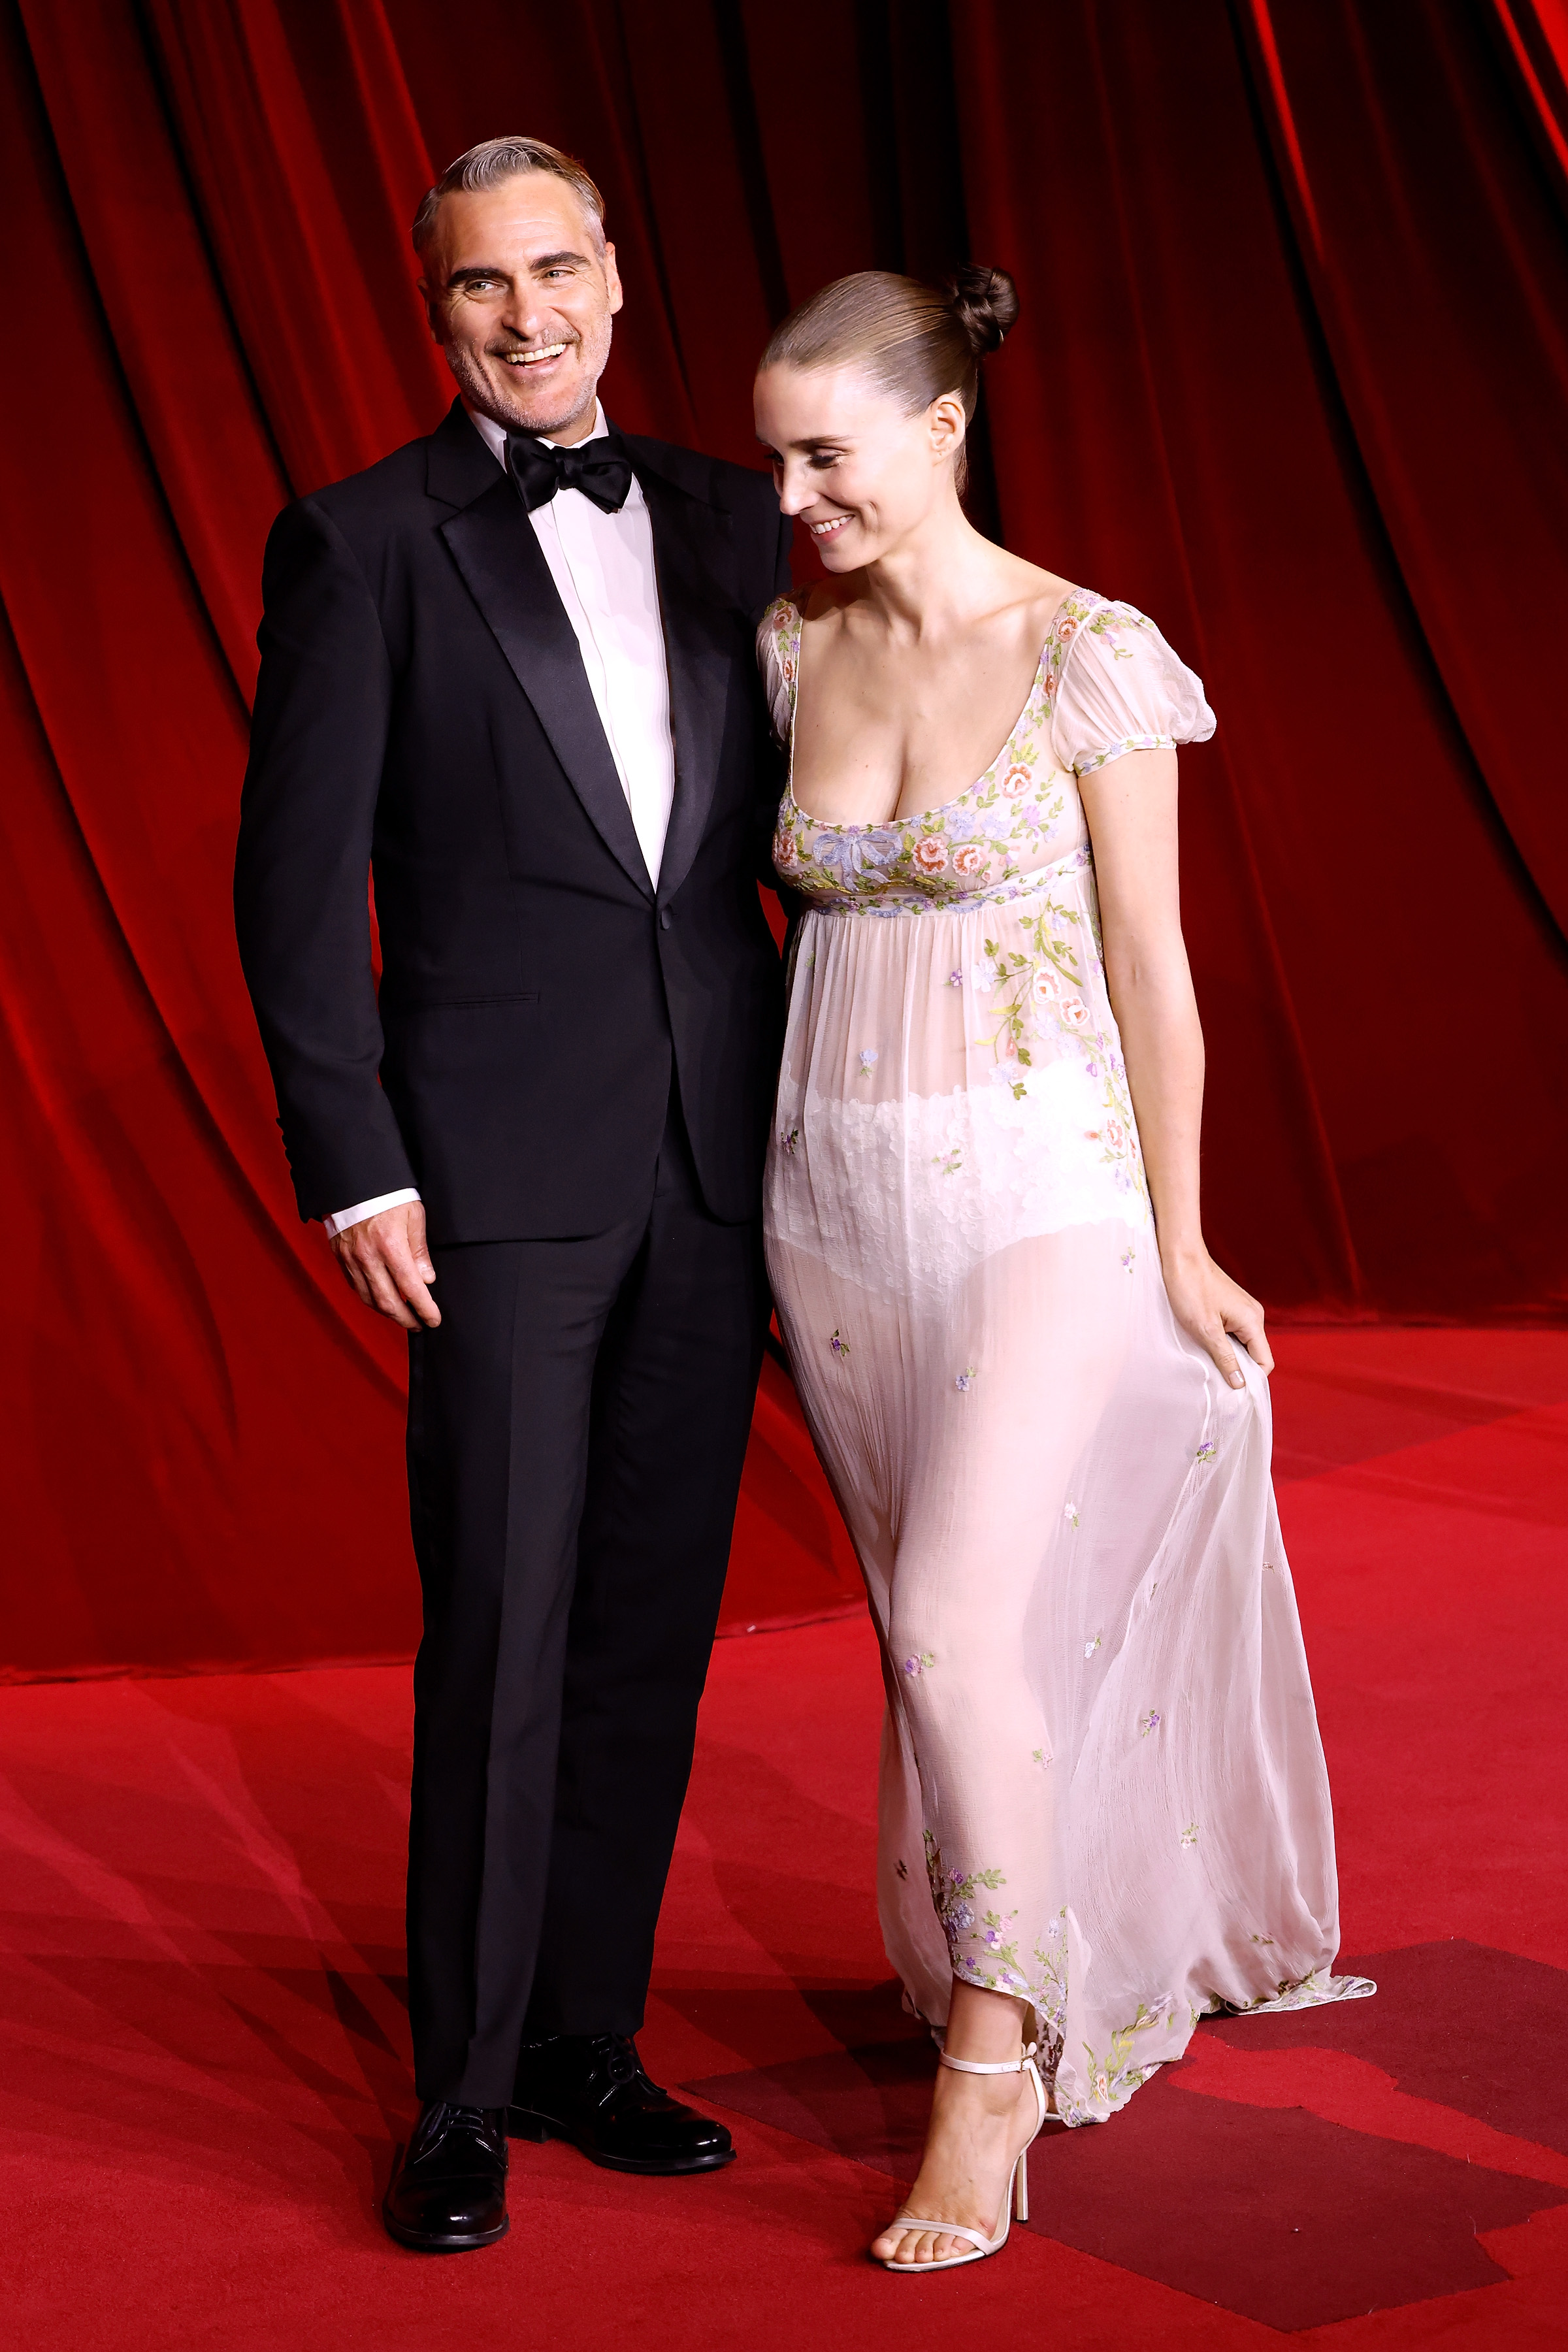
896	2245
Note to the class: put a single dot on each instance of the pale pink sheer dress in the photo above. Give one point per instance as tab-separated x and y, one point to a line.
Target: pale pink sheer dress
1102	1786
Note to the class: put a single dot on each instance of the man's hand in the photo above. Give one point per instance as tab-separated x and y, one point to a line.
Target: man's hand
385	1259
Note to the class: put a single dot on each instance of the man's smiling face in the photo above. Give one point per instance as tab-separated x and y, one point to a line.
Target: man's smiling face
520	289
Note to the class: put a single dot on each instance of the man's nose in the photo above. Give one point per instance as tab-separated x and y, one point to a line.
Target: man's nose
520	312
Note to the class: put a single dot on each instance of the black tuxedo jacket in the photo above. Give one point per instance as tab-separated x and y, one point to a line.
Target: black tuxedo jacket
422	705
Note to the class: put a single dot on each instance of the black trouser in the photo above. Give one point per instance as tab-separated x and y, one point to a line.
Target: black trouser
576	1430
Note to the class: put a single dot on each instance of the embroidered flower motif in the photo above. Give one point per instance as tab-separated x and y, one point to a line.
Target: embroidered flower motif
839	1345
1090	1647
1113	1135
1128	1255
987	840
982	978
1148	1723
950	1162
955	980
1046	987
965	1380
790	1142
1039	1757
1072	1012
869	1060
901	1869
921	1664
1190	1834
1070	1513
1206	1452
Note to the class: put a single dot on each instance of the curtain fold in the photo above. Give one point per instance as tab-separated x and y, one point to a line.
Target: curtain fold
1291	373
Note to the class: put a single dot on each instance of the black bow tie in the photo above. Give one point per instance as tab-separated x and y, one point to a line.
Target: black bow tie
599	468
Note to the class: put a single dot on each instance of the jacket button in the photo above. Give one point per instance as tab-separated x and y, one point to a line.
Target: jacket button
664	919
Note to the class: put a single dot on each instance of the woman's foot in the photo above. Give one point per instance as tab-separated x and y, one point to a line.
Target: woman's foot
979	2125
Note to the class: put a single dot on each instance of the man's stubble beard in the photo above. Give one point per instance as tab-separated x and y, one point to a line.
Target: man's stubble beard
476	390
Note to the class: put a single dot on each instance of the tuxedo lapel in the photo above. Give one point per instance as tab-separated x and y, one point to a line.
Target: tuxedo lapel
692	554
503	567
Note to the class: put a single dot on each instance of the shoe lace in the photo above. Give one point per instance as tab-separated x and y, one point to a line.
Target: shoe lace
618	2054
443	2116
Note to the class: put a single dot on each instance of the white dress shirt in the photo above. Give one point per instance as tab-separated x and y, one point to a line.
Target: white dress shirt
603	568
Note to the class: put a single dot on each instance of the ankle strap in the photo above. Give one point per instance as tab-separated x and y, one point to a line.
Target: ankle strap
970	2066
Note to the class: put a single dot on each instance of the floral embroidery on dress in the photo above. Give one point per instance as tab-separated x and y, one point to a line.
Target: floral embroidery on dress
1148	1723
980	845
839	1345
954	1895
1040	1003
1115	2077
1190	1834
919	1665
965	1380
1300	1992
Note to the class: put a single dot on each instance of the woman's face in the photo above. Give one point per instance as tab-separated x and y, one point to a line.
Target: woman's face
861	474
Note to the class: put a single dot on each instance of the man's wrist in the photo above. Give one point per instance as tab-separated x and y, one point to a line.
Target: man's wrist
342	1219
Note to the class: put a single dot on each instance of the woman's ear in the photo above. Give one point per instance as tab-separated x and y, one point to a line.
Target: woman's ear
947	424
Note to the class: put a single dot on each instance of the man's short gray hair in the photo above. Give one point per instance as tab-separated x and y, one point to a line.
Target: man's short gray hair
495	160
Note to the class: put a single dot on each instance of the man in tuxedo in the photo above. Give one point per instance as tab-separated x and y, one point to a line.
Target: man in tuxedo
511	669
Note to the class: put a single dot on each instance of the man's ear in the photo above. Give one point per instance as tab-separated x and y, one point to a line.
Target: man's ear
432	317
612	279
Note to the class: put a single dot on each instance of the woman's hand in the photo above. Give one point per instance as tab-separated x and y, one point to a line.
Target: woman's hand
1208	1305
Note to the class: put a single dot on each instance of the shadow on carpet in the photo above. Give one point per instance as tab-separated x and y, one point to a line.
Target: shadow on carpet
1241	2196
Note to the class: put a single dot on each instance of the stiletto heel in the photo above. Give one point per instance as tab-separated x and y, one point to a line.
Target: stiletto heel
1014	2197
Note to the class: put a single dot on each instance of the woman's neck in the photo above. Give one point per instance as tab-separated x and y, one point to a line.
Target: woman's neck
940	574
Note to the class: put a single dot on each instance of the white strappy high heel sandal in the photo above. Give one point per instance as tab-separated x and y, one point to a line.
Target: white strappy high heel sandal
1015	2197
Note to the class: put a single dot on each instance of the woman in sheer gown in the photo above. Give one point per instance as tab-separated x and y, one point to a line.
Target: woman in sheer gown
1104	1809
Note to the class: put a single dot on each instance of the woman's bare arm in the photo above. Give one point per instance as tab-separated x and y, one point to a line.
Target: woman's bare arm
1131	809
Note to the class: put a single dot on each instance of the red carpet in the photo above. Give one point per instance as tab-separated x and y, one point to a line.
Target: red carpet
204	2058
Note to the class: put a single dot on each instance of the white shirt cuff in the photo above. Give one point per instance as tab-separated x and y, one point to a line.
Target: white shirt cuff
344	1218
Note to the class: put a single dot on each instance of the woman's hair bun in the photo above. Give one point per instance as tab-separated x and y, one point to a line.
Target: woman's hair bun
985	304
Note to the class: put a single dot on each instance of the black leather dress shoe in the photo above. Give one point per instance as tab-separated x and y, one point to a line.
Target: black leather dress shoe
590	2088
449	2191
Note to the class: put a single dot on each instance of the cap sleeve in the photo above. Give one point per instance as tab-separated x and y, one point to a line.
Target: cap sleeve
778	658
1119	688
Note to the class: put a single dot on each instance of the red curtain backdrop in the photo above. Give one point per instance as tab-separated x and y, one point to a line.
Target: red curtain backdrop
1290	374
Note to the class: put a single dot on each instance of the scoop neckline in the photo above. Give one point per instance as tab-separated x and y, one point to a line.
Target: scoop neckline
916	816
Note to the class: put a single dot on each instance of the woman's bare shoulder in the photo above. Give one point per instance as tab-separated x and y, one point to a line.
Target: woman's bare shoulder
1035	594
